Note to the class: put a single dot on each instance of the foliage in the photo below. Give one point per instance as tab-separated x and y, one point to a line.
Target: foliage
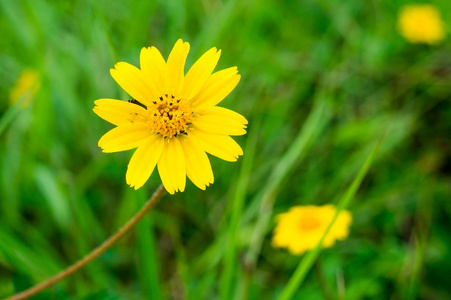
322	81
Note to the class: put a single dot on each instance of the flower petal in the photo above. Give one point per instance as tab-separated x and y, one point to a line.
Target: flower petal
119	112
134	82
301	228
153	65
171	166
222	112
340	229
176	66
219	120
221	146
199	73
124	137
217	87
198	167
143	161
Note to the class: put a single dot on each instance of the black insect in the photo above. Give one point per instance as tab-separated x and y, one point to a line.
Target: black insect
134	101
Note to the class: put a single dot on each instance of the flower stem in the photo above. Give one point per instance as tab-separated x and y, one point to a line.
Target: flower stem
94	253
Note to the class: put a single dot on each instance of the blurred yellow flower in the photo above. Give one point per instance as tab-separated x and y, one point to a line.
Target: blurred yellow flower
173	119
301	228
26	86
421	23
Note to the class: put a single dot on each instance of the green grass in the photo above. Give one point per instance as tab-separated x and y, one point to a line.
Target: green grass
322	81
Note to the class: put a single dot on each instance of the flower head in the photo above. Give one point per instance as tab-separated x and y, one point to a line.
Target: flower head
421	23
302	227
172	120
26	86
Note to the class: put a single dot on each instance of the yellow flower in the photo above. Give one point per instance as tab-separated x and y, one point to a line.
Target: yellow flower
173	119
301	228
26	86
421	23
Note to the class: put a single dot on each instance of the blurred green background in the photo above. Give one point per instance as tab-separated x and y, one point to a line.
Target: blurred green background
322	81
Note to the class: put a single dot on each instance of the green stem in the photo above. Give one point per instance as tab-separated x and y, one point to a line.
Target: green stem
230	261
306	263
94	253
286	165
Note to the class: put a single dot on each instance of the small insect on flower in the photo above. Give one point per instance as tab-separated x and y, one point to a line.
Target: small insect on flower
421	23
172	120
302	227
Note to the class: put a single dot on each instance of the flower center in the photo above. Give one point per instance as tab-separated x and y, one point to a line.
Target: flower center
309	223
168	116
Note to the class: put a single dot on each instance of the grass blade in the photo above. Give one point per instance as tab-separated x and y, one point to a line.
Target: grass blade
313	125
147	255
308	260
238	203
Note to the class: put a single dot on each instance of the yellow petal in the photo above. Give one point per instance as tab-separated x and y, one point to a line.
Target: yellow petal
217	87
124	137
134	82
198	167
219	120
199	73
171	166
301	228
119	112
340	229
165	176
297	248
221	126
223	113
27	85
153	65
176	66
144	160
221	146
